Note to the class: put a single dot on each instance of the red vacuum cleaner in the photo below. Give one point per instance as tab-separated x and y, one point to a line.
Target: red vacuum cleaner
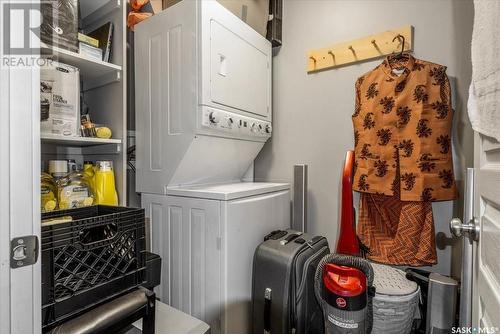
343	281
348	241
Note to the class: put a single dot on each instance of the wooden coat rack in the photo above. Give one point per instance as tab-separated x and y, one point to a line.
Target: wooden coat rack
358	50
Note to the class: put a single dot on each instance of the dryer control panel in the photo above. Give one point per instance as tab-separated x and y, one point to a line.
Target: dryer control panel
234	124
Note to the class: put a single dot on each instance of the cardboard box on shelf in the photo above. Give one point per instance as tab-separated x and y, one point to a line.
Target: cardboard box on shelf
253	12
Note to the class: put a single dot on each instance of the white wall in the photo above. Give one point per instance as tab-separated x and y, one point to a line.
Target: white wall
312	112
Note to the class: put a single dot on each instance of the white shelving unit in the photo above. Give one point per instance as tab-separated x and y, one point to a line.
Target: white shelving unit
89	68
104	92
95	73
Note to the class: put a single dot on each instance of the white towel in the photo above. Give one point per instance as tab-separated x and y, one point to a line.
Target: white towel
484	92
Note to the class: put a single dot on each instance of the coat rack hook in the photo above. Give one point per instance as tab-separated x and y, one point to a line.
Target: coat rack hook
313	59
374	43
333	56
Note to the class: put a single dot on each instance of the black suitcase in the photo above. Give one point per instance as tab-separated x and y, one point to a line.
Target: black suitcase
283	300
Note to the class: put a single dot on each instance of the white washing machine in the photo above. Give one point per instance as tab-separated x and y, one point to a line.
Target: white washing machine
206	236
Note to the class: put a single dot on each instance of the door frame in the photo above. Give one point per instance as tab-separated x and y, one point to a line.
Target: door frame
476	210
20	289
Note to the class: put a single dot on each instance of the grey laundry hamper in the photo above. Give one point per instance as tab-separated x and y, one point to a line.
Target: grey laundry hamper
396	301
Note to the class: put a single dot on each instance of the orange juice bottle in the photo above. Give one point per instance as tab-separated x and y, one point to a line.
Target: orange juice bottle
104	184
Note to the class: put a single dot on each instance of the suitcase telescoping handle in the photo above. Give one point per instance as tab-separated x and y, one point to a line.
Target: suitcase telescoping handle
290	238
267	310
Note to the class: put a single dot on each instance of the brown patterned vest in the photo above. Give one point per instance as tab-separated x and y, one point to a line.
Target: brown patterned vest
402	131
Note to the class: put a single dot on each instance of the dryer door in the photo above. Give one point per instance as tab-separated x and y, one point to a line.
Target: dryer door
236	63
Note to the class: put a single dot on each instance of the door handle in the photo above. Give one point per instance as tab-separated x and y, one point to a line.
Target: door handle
23	251
457	228
222	65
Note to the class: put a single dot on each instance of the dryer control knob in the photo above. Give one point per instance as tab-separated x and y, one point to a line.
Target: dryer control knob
269	128
253	127
213	117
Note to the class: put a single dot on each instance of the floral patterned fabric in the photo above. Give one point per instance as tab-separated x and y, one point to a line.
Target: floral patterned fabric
402	120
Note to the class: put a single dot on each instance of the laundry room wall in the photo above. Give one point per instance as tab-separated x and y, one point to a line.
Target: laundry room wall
312	112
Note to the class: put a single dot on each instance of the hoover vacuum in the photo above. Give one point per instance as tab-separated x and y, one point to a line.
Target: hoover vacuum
357	296
344	288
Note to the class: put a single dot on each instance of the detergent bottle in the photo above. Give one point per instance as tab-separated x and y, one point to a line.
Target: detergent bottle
104	184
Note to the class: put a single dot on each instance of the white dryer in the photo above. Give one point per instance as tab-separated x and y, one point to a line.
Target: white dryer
206	236
203	98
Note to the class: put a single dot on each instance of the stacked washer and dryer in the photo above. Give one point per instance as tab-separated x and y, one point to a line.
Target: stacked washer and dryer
203	113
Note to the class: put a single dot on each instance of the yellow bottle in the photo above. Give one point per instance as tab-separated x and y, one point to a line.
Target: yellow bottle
89	174
48	192
104	184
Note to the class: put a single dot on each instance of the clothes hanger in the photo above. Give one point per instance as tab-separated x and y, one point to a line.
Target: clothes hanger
401	54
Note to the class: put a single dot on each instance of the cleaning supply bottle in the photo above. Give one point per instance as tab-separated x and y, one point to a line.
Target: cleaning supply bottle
48	193
89	173
105	190
74	191
58	168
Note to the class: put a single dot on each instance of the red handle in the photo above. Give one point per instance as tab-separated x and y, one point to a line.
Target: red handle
348	242
344	281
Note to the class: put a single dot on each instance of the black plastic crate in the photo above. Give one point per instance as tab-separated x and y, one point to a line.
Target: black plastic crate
98	255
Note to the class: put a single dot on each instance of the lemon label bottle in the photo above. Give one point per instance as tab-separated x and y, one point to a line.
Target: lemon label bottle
48	192
74	191
89	174
104	184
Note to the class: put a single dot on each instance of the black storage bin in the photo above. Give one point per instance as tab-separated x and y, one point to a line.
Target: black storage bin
98	255
153	271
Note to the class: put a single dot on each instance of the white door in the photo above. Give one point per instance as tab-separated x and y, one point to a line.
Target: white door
486	279
20	305
239	75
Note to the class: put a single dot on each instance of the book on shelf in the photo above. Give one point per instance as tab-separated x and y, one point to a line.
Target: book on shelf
104	34
90	51
88	40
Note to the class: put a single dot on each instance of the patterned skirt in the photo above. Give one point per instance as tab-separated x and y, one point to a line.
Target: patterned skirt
397	232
